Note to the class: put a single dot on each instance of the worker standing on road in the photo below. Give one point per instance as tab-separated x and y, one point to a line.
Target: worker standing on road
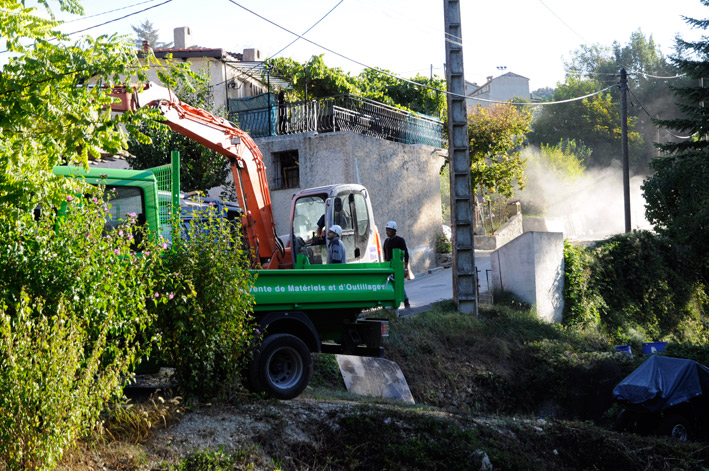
335	248
392	242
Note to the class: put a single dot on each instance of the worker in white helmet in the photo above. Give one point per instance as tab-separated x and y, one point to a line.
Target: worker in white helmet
335	247
392	242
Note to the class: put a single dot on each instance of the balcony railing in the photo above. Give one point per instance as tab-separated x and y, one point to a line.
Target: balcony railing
339	113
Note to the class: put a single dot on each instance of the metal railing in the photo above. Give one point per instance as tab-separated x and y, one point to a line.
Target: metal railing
341	113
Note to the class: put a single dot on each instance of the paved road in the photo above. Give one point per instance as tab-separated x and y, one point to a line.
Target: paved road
430	288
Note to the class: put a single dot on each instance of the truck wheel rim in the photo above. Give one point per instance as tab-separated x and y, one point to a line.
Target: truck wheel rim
285	368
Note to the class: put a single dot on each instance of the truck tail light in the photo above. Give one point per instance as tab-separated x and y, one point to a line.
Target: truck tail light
385	328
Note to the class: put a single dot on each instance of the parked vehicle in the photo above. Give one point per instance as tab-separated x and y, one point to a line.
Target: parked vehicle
665	396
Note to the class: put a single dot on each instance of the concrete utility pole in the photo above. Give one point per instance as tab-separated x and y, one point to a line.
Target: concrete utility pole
624	144
464	275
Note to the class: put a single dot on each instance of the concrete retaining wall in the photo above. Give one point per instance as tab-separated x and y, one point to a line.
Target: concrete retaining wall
532	268
509	231
403	182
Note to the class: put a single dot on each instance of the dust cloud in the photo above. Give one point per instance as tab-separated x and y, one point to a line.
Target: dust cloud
588	208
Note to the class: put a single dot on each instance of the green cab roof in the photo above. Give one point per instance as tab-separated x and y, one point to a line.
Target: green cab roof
106	175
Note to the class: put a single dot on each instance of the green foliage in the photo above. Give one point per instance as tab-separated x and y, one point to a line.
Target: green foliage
219	461
593	122
205	324
323	81
565	159
643	61
676	194
443	245
73	312
582	305
50	111
634	287
200	167
496	134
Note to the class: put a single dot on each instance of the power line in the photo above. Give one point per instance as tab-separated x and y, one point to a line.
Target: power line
649	116
107	12
246	72
121	18
109	21
416	84
563	22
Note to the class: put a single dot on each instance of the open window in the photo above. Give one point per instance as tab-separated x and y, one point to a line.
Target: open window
286	168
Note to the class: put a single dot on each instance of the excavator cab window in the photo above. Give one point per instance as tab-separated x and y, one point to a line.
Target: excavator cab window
356	235
308	235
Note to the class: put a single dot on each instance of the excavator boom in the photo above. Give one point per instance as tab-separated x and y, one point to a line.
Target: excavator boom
218	134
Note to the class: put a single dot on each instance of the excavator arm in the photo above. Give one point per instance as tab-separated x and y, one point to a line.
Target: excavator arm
245	159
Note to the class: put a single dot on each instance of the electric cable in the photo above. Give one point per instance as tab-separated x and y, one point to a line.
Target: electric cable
107	12
650	116
563	22
416	84
106	22
246	72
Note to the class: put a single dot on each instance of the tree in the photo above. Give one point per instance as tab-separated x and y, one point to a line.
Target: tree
146	32
677	197
201	168
648	72
70	312
593	122
496	134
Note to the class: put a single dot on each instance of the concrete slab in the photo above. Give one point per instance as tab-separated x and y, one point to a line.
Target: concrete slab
375	377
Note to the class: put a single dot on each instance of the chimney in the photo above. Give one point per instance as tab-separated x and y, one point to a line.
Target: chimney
183	37
251	55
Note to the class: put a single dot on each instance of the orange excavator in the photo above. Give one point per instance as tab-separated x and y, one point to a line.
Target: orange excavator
345	203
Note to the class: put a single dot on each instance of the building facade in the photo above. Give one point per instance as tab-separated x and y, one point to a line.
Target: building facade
496	90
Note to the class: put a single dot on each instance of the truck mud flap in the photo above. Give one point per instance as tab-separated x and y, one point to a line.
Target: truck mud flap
363	338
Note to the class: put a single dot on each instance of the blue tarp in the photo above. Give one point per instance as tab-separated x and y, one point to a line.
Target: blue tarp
662	382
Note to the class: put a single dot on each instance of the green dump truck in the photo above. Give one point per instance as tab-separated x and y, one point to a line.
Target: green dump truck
303	310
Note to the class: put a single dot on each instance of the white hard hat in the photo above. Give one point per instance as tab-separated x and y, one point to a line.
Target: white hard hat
336	229
391	225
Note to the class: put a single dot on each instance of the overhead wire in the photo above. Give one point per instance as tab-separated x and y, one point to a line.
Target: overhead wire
110	21
107	12
416	84
246	72
562	21
650	116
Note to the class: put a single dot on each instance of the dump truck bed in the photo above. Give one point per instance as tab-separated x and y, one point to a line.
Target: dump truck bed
315	287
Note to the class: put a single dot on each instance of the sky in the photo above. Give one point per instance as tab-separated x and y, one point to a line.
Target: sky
531	38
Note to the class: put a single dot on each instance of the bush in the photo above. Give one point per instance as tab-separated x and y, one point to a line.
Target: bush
73	308
633	286
205	324
443	245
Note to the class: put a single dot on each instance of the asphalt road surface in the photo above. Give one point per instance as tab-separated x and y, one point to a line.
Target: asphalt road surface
429	288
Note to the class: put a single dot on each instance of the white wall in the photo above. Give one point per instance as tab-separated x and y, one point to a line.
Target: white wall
532	268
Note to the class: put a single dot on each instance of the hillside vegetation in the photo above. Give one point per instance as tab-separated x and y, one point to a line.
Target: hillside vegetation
502	388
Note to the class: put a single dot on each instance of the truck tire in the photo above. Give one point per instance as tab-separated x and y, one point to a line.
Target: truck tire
282	367
675	426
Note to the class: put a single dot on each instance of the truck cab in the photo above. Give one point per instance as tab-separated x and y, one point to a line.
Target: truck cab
314	210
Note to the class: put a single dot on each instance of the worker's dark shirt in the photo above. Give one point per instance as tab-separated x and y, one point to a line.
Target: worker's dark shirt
395	242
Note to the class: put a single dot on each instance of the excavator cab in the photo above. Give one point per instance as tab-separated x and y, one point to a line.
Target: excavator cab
314	210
